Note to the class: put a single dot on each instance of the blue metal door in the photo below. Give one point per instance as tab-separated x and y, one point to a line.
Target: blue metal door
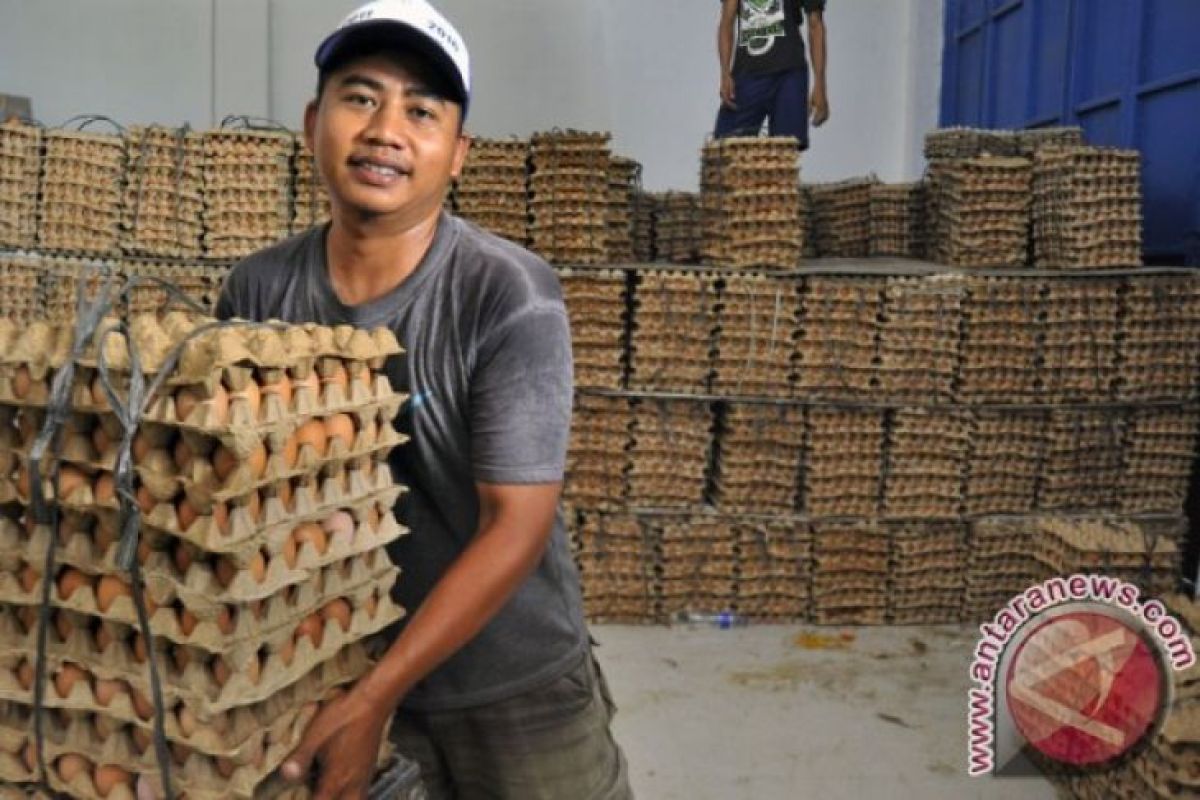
1127	71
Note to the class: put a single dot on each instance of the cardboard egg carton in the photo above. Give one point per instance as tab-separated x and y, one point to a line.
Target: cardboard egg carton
1141	554
1007	449
677	227
199	283
668	455
492	188
644	212
21	275
569	196
1158	450
837	344
898	219
1002	339
311	204
759	456
926	460
750	194
984	212
163	192
699	565
774	569
248	189
919	337
624	180
20	166
674	319
756	322
1080	339
843	217
1158	344
596	456
963	142
596	303
1087	208
1082	464
79	205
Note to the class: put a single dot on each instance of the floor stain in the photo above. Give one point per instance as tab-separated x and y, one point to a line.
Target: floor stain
822	641
894	720
942	768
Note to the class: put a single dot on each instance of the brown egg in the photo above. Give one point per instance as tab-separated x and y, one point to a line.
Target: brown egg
282	388
291	451
225	570
258	461
254	506
188	724
71	765
187	621
372	605
70	580
338	376
225	767
24	482
258	567
184	555
287	652
101	440
28	617
29	757
313	433
259	609
341	427
106	690
139	649
63	625
338	610
22	382
105	490
109	589
374	517
183	455
226	621
25	674
142	445
70	480
28	578
310	533
313	627
253	669
99	395
103	638
142	738
144	549
108	777
142	705
145	500
224	462
186	514
67	676
180	753
289	552
104	535
220	671
187	399
339	524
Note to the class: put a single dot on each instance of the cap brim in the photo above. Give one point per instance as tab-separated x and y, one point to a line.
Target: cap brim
392	34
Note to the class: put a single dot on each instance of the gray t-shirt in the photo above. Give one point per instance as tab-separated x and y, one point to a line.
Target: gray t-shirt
489	371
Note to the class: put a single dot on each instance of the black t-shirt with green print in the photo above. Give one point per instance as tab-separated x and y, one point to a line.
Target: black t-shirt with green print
768	35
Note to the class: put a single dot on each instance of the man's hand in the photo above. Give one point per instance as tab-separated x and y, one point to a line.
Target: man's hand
727	92
343	739
818	106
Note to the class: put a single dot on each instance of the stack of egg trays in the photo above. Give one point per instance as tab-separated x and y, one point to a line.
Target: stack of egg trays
311	205
1001	347
59	282
837	347
927	572
1001	563
598	455
749	198
597	305
247	190
79	205
758	458
962	142
898	219
618	557
265	497
1158	450
1007	450
491	192
673	330
1082	464
985	212
1087	210
755	336
1159	345
699	564
624	179
919	336
669	453
925	464
843	217
164	193
1028	142
20	167
20	275
774	569
677	227
841	468
850	573
199	283
1145	554
568	196
644	213
808	224
1079	347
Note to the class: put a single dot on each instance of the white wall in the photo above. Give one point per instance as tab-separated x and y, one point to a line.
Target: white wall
644	69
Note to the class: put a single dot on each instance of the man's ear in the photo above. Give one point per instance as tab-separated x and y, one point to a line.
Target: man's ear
461	147
310	122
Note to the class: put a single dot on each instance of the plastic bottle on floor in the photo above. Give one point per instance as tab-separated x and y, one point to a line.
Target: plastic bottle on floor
710	619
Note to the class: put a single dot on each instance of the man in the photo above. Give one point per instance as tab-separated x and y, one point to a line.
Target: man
491	676
764	75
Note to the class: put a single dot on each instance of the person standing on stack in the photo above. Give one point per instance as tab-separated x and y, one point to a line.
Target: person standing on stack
491	675
764	70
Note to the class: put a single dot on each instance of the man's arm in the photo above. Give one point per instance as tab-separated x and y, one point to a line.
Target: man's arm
818	104
729	9
515	523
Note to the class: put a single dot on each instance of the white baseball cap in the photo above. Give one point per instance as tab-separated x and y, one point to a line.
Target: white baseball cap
411	25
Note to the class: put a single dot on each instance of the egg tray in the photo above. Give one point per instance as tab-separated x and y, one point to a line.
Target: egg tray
20	164
199	589
195	687
255	621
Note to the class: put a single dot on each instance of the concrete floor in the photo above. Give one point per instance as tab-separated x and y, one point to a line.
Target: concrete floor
785	712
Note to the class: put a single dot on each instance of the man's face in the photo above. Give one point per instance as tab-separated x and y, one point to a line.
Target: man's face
386	145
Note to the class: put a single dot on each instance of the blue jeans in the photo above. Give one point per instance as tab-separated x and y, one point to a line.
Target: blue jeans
780	97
